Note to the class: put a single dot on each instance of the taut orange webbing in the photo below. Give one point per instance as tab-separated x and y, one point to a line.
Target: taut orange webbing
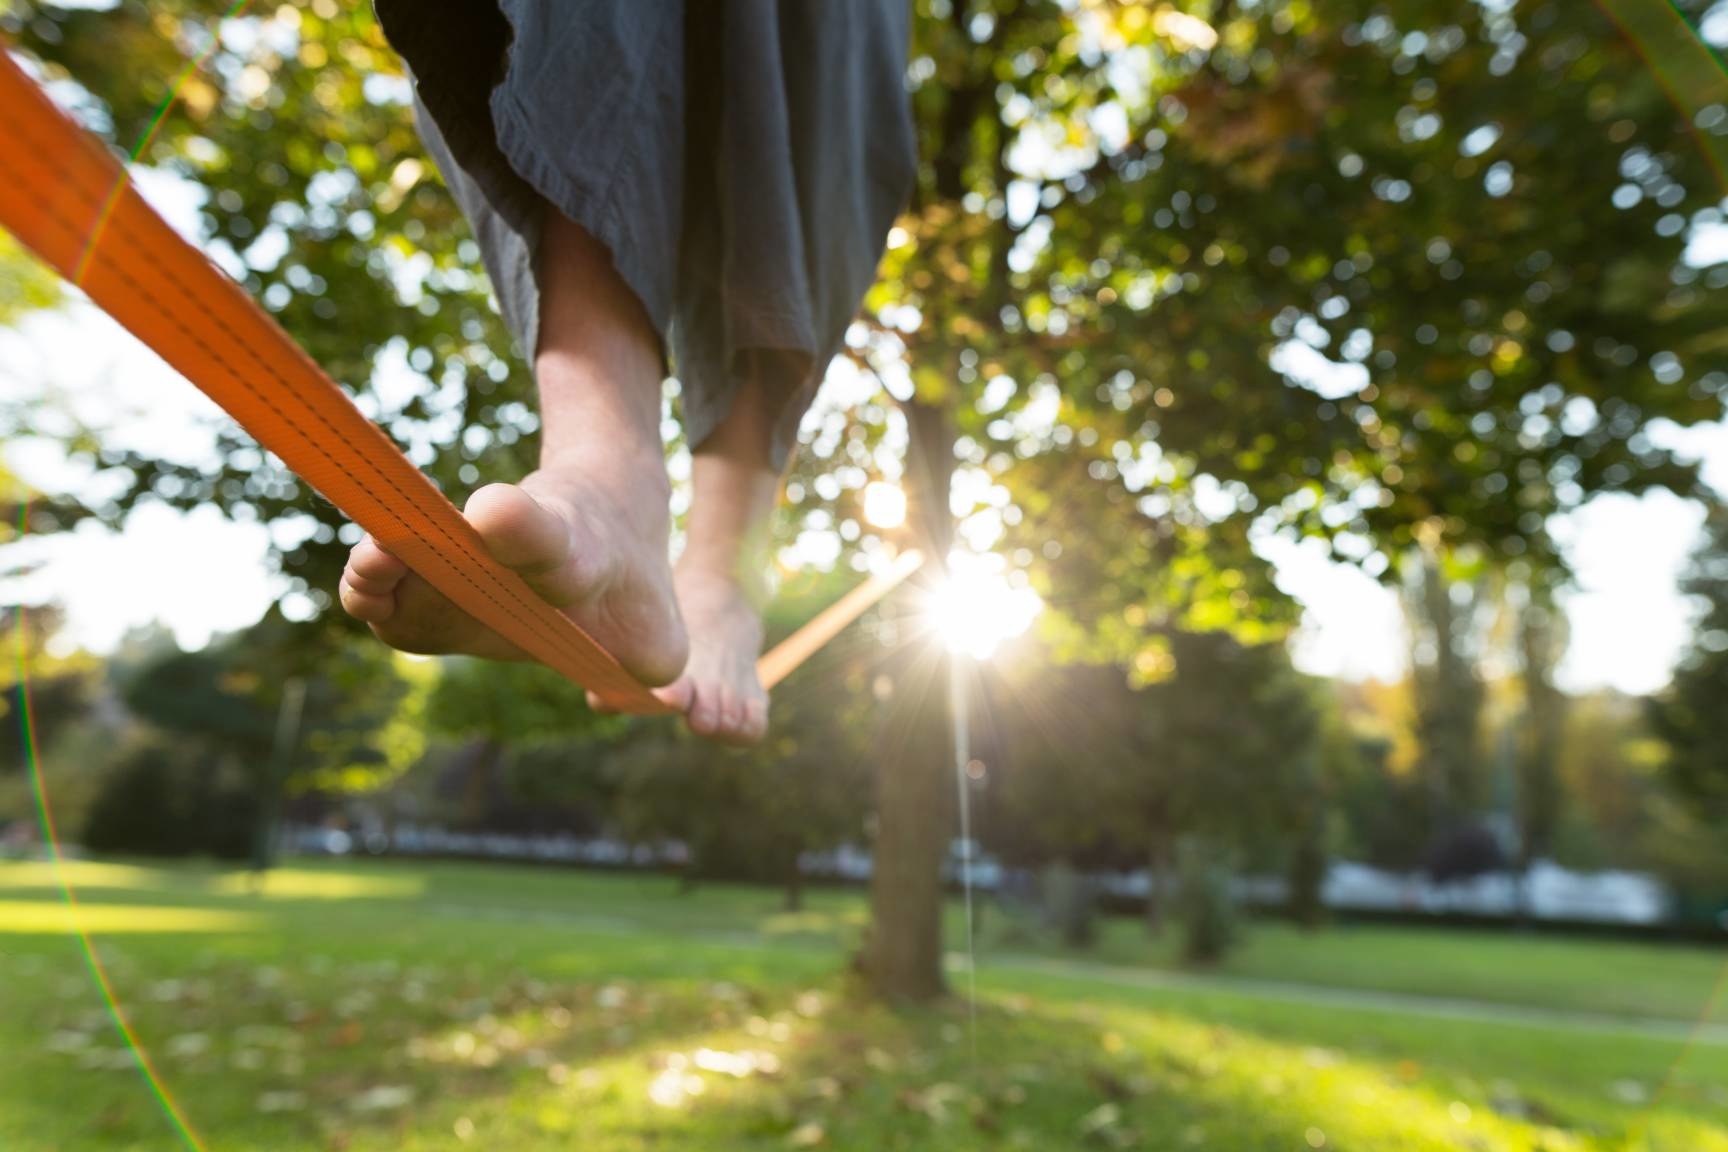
67	199
776	665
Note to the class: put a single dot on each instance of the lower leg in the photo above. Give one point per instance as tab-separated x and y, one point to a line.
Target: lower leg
721	576
588	530
735	486
597	354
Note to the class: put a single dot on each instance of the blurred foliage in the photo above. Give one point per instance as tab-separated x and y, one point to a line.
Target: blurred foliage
1476	214
164	799
535	755
21	508
1692	716
63	686
522	704
25	286
1204	903
1444	611
1541	642
203	745
361	722
1139	237
1224	754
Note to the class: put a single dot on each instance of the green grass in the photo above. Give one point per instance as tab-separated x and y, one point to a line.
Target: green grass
397	1007
1673	982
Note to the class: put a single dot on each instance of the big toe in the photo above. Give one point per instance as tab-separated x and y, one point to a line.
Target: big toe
369	582
678	695
522	533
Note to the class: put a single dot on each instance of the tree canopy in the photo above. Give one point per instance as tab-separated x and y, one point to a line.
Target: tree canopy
1404	277
1382	273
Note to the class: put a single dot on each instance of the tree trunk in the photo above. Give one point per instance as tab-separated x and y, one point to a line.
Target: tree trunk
274	776
1157	864
691	874
794	888
902	956
1307	875
1541	641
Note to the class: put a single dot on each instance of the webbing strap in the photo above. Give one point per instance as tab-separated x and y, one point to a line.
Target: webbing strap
777	664
68	200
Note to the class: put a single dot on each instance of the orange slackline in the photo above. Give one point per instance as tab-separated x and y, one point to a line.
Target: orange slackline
776	665
65	197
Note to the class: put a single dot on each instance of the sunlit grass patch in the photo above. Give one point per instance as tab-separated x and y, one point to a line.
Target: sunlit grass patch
42	874
43	877
811	922
846	1075
301	884
42	917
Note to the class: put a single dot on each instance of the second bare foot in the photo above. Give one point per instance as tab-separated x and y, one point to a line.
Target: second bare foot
719	693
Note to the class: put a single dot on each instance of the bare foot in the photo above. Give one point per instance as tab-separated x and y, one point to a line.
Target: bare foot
588	540
589	530
719	692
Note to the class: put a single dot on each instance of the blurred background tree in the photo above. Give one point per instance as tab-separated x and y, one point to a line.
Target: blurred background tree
1692	717
218	755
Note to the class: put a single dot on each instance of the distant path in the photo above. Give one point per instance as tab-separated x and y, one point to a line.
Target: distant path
1401	1003
1396	1003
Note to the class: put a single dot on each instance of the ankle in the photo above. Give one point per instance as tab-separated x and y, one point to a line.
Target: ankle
633	462
723	572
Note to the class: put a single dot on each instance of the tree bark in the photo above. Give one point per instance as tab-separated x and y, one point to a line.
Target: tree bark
902	955
1157	865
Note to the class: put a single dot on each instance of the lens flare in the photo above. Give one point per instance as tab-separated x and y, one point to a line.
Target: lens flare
27	728
977	608
68	895
884	504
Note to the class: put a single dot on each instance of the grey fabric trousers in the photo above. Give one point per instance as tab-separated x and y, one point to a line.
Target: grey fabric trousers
741	160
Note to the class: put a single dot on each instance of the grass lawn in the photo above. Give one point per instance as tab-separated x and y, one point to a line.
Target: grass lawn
1613	977
414	1007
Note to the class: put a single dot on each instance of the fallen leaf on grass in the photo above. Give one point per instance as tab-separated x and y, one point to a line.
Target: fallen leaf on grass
807	1135
1103	1125
879	1060
933	1101
822	1088
1109	1085
738	1065
383	1098
188	1045
66	1041
1100	1118
675	1084
110	1059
